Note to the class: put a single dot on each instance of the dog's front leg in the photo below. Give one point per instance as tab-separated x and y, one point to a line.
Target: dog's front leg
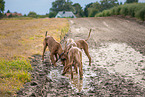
66	68
43	52
56	57
52	59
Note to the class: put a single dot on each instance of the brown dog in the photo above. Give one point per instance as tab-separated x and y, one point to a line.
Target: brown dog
82	44
54	48
74	56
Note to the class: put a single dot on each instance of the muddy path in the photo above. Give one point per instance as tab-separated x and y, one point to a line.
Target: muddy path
117	48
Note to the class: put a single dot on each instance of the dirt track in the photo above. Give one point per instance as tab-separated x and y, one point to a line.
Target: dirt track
117	48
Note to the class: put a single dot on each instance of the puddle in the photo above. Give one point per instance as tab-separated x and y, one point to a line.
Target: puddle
54	74
76	83
115	57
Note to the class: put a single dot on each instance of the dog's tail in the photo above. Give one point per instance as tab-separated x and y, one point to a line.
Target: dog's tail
46	34
88	35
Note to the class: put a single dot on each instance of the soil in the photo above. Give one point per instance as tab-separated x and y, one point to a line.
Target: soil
117	48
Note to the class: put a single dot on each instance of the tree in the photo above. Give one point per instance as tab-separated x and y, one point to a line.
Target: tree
86	9
92	12
57	6
131	1
8	11
52	14
68	6
94	9
32	14
61	5
78	10
2	7
107	4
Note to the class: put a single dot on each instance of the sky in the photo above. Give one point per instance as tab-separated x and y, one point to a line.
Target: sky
41	7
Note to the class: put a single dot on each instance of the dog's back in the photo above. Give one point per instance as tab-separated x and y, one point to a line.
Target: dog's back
54	48
74	53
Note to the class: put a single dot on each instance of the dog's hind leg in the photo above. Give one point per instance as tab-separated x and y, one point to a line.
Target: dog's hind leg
80	65
88	55
76	68
81	71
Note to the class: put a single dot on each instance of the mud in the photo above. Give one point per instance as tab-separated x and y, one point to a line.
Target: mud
117	48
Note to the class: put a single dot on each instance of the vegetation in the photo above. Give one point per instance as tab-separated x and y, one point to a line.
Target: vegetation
89	11
32	14
134	10
2	7
131	1
35	15
20	38
65	5
13	74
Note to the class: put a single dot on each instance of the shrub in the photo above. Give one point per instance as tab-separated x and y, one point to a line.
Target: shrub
117	10
124	10
134	10
113	11
141	14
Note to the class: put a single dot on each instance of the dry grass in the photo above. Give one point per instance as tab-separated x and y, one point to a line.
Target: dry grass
19	39
23	38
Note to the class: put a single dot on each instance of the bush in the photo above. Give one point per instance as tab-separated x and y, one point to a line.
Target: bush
113	11
32	14
141	14
117	10
131	10
92	12
52	14
134	10
124	10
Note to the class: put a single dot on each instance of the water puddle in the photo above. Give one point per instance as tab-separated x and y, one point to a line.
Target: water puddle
77	84
114	57
54	74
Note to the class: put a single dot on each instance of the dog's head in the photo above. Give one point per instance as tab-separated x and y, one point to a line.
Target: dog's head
64	57
68	41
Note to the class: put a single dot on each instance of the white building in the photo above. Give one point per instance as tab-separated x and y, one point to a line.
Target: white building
65	14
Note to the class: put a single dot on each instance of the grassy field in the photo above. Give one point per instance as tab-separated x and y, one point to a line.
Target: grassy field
20	38
136	10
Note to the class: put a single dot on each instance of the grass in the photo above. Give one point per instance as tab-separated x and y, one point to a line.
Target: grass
13	74
136	10
20	38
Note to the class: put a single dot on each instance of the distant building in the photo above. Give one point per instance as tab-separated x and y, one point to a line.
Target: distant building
13	14
65	14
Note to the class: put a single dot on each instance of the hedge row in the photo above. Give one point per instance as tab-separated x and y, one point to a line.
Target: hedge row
134	10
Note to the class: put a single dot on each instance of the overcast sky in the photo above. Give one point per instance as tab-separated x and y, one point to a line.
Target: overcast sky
41	7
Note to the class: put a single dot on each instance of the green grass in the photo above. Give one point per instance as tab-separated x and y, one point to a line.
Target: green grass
13	74
136	10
